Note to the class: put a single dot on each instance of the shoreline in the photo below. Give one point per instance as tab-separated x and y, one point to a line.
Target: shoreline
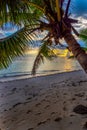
28	76
44	102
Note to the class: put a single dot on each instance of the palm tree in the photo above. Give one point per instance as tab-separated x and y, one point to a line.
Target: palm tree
43	15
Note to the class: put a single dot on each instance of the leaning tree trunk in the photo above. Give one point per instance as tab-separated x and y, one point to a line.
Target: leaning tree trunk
77	51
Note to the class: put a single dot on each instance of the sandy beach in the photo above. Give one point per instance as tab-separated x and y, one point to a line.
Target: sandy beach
44	102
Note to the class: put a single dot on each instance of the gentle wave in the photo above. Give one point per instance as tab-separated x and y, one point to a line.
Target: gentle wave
27	75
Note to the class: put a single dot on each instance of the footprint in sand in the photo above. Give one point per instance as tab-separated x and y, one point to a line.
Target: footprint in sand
29	98
53	113
80	94
46	106
29	111
72	115
40	123
38	104
58	119
30	128
64	102
14	89
43	122
64	108
65	94
73	99
39	113
17	104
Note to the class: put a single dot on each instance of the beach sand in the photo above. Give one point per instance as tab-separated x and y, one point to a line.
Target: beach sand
44	103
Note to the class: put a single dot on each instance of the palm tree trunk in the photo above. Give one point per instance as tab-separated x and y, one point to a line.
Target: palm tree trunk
77	51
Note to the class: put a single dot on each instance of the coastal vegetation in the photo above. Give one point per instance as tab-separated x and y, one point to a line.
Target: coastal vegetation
34	17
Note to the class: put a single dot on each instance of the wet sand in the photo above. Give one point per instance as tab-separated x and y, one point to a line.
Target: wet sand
44	103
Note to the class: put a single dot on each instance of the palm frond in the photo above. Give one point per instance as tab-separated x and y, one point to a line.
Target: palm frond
84	48
15	45
44	52
58	10
67	8
17	11
83	35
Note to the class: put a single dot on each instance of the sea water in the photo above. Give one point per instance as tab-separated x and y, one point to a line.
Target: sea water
21	67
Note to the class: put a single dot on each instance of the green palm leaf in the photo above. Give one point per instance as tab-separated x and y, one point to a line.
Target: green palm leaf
18	11
15	45
44	52
83	36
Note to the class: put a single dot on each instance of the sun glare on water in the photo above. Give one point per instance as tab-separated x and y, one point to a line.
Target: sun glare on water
58	52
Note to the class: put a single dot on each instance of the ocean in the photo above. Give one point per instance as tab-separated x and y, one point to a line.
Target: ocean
22	66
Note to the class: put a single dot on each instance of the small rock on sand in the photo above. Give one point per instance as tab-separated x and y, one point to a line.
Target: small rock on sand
80	109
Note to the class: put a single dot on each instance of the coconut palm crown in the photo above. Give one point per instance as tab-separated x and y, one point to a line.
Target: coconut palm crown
51	16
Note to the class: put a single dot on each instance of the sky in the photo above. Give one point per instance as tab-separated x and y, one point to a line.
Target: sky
8	29
79	7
